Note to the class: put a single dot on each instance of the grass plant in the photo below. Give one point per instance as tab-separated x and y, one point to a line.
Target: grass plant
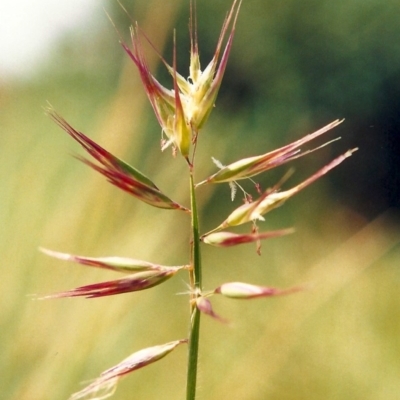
182	113
337	339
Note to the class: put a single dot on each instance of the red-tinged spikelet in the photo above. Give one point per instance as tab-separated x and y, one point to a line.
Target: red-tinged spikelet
104	386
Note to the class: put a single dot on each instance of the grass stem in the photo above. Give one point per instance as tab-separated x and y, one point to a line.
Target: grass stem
195	281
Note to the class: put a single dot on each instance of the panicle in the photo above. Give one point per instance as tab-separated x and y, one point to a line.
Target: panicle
182	111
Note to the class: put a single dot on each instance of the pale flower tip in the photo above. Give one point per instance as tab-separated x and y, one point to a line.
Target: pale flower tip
240	290
55	254
350	152
194	68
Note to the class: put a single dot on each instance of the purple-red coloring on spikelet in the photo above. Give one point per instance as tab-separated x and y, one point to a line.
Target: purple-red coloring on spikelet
164	101
117	171
131	283
204	305
104	386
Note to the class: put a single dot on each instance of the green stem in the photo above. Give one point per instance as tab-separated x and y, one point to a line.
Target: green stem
195	237
195	283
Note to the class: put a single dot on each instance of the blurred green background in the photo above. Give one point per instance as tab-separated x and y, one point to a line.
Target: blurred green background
294	67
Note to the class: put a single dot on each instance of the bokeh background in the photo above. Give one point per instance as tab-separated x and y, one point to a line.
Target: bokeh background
294	67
